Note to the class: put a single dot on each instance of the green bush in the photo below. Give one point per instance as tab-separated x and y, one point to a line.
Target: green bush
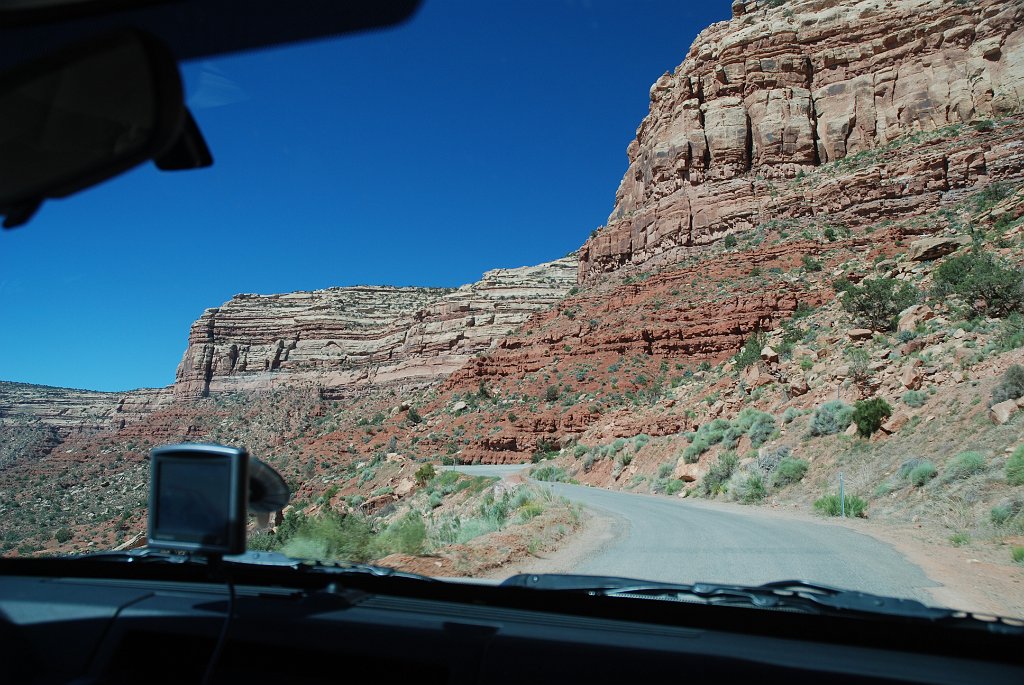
831	505
964	465
876	303
831	418
730	240
551	394
1017	554
790	414
407	535
915	398
1006	511
63	534
673	486
757	425
414	415
983	281
750	489
707	435
870	414
1015	467
922	473
425	474
959	539
719	473
555	474
788	471
1011	385
751	350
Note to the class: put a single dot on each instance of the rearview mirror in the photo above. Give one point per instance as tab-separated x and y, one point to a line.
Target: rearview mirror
88	113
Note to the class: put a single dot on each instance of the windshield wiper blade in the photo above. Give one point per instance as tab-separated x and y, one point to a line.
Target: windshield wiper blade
787	595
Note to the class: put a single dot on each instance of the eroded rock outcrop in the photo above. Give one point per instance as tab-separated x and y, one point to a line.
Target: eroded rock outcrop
346	337
786	87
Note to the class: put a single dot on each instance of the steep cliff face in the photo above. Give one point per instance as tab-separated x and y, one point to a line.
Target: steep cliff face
343	338
786	87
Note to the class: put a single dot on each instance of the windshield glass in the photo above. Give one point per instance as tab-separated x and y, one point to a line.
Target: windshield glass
729	293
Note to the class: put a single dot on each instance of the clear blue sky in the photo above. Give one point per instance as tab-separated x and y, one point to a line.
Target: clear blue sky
481	134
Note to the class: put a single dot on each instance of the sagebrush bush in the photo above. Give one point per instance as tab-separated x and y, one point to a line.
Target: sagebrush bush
831	418
749	489
1011	385
964	465
769	460
922	473
1006	511
831	505
870	414
789	470
1015	467
719	473
673	486
915	398
1017	554
554	474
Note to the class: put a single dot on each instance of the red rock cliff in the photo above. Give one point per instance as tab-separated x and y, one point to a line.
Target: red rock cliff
786	87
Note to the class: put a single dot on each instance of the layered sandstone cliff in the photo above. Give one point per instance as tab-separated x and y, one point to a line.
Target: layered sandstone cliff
343	338
785	87
70	411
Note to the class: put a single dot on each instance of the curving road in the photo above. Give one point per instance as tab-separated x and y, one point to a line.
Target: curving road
669	539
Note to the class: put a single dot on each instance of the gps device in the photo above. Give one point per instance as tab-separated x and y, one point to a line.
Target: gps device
198	499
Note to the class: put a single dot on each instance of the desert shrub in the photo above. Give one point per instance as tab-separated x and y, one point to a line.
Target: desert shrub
870	414
665	469
831	505
731	436
579	450
831	418
414	415
719	473
964	465
922	473
757	425
959	539
1011	385
908	466
407	535
748	489
63	534
1017	554
915	398
876	303
769	460
435	500
555	474
983	281
1007	511
789	470
673	486
1015	467
790	414
551	394
810	263
329	536
425	474
707	435
750	353
1011	333
641	441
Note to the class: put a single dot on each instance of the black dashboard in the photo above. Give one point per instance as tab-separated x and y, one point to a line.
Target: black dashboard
85	628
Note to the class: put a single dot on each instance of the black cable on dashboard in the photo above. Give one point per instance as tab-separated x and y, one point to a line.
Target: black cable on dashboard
215	656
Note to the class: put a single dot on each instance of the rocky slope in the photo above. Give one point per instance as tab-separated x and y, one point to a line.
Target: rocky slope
346	338
787	87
